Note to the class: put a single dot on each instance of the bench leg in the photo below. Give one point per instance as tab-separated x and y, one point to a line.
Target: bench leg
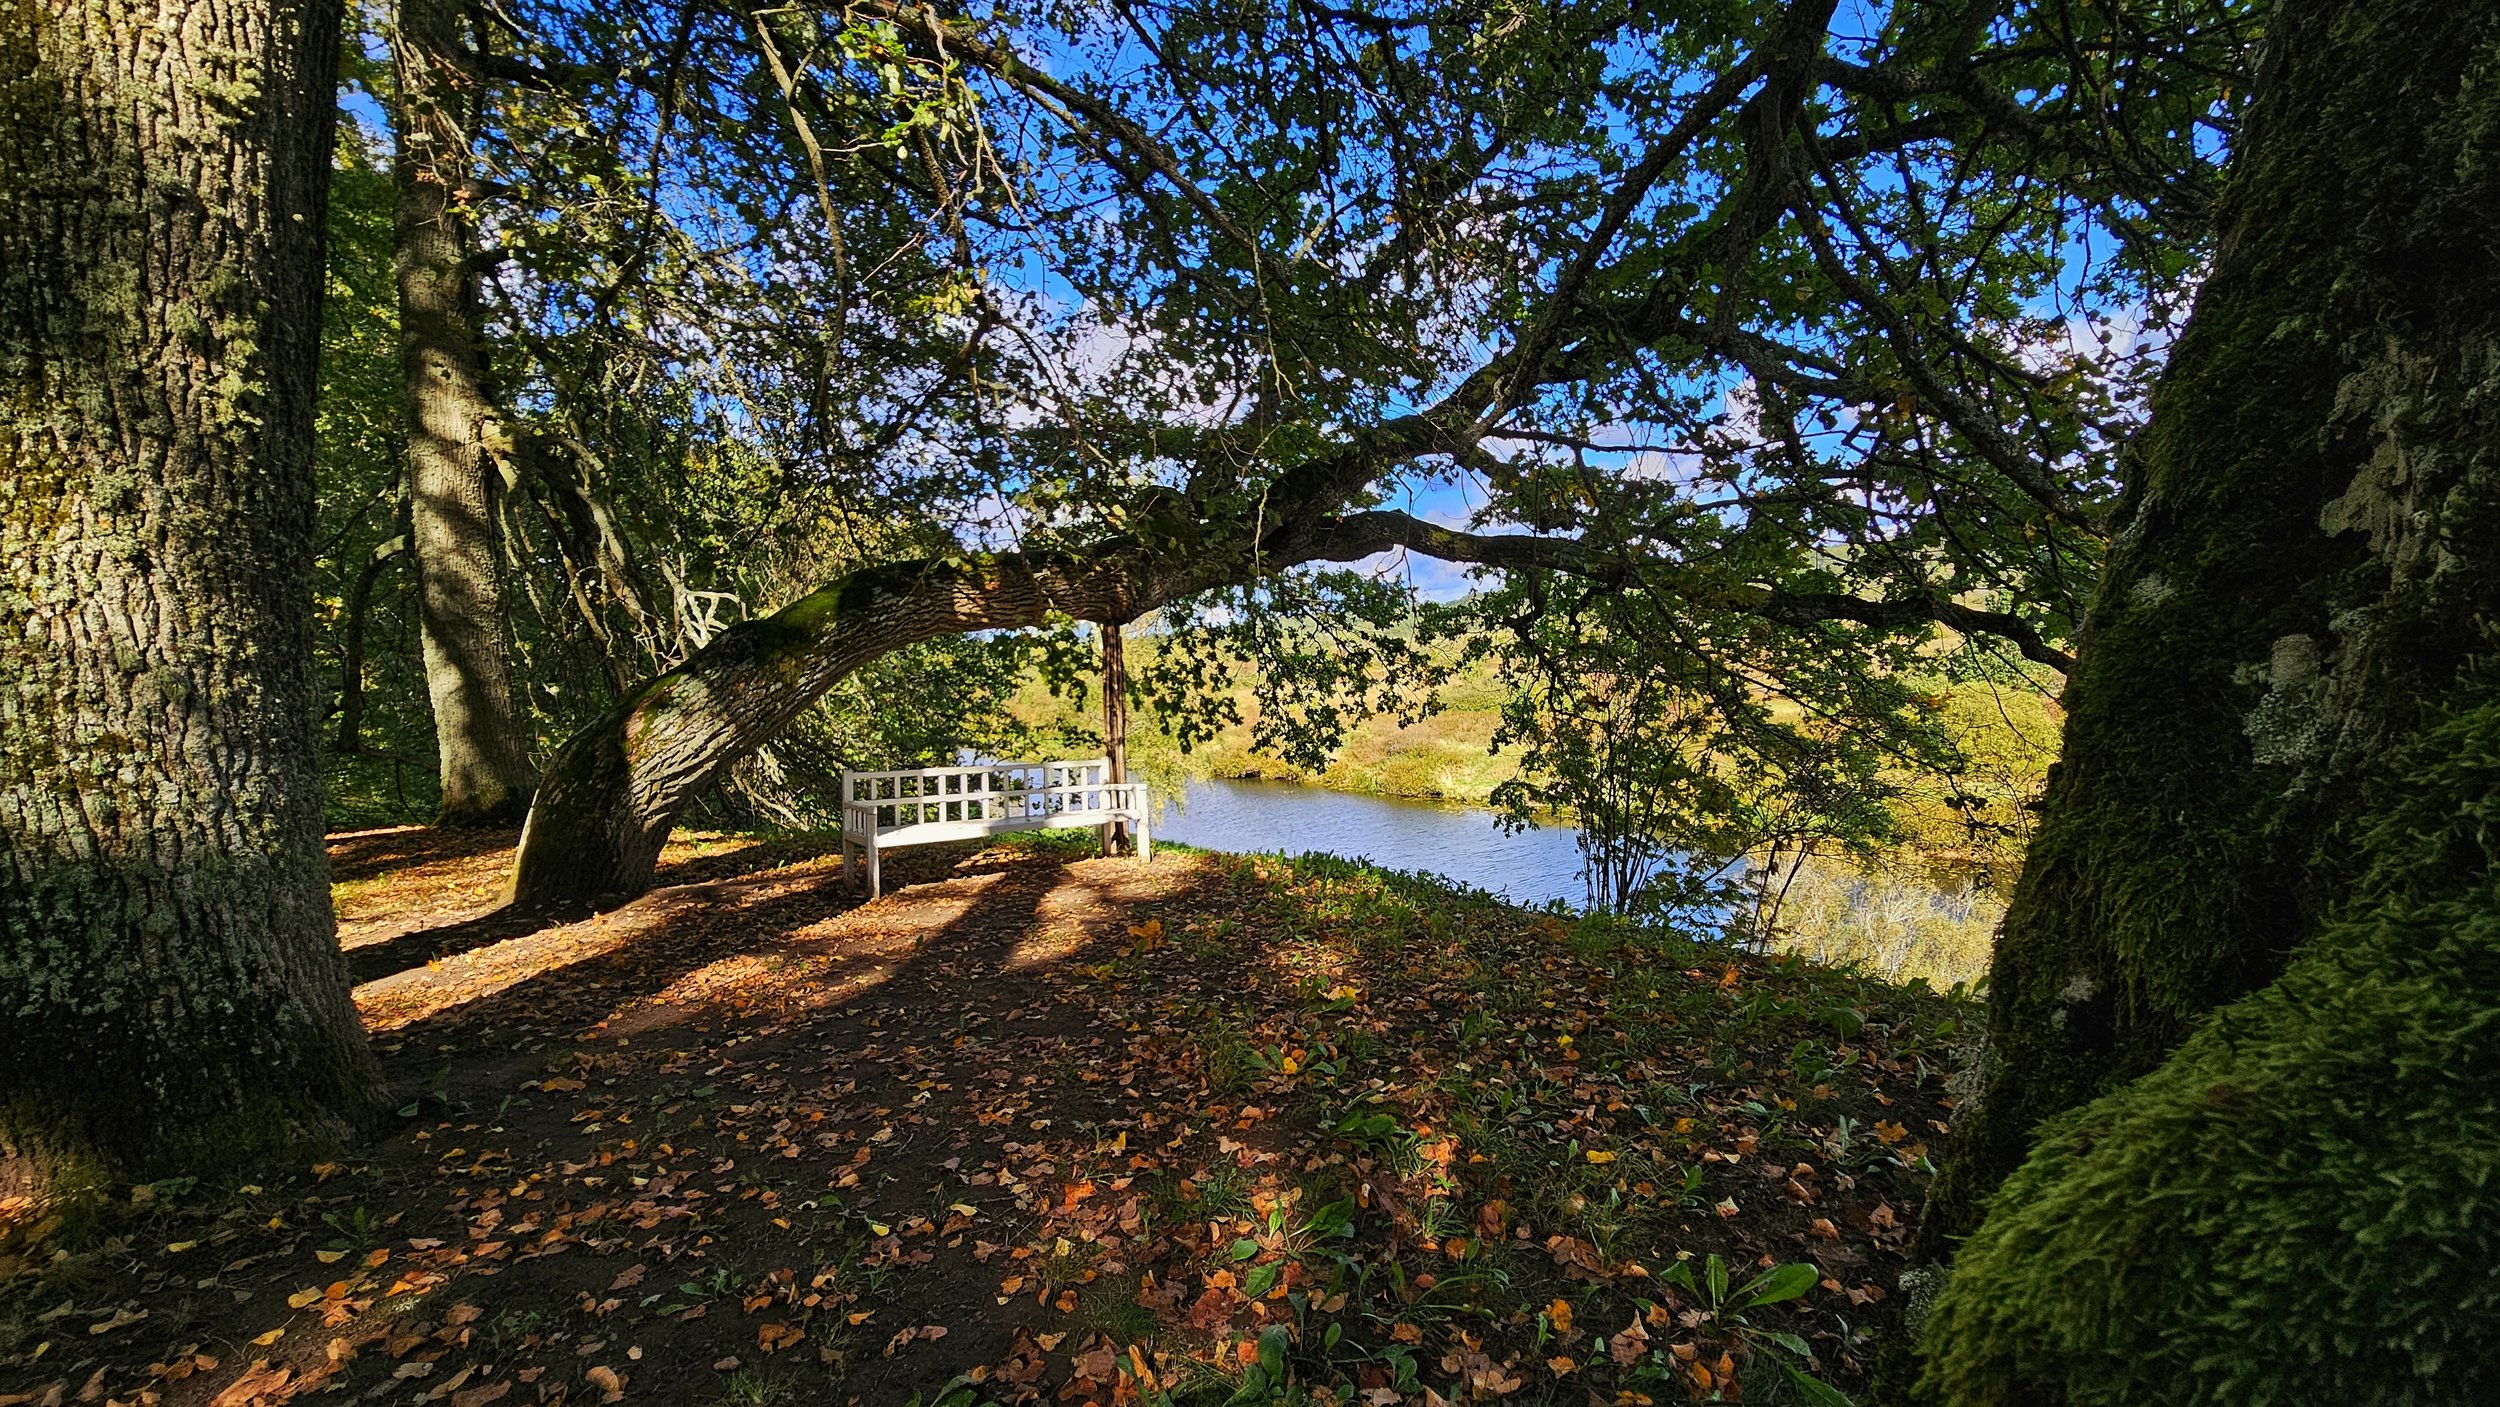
1145	843
876	875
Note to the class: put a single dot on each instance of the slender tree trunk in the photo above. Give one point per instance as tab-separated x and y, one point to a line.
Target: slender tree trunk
171	993
452	426
1115	718
351	734
2307	580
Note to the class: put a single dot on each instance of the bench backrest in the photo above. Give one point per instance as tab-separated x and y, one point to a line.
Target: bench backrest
1008	794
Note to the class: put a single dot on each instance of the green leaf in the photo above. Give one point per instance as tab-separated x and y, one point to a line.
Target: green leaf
1814	1389
1261	1279
1272	1351
1331	1221
1245	1248
1780	1282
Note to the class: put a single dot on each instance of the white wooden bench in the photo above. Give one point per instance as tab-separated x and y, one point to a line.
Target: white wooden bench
923	805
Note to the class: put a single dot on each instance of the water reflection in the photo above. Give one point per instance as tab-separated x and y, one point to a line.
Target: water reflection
1896	926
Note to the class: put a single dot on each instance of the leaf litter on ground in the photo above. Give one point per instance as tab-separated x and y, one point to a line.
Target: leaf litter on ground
1038	1127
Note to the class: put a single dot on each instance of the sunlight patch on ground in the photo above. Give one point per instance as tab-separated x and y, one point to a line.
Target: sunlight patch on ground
1085	906
830	961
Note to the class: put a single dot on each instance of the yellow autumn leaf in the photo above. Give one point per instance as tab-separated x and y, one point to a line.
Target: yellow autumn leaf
329	1257
302	1298
1600	1155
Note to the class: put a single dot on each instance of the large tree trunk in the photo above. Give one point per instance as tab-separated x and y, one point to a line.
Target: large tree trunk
2306	583
171	993
452	425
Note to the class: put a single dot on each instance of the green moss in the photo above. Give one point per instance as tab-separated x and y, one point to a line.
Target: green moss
2303	1203
2246	675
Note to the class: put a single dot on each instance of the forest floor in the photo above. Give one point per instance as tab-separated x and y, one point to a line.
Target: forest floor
1036	1128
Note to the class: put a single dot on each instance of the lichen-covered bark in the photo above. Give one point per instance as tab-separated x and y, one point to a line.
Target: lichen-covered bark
2309	567
452	424
171	995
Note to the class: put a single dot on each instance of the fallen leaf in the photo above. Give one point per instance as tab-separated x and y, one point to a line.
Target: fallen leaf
122	1319
259	1380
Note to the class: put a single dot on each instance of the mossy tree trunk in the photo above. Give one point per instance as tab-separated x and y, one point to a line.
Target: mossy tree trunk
171	992
452	424
2307	575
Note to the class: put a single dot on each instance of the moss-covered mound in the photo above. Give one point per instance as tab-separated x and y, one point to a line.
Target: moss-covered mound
2303	1204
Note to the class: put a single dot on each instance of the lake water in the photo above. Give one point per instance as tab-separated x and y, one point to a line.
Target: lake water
1457	842
1895	926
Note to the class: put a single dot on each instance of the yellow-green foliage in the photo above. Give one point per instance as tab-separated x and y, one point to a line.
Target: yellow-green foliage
2303	1204
1447	756
1895	917
2006	734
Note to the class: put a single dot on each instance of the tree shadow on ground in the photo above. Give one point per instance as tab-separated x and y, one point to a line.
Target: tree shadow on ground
751	1139
364	857
959	964
371	854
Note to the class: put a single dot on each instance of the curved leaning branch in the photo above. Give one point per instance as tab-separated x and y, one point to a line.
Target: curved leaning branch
611	795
